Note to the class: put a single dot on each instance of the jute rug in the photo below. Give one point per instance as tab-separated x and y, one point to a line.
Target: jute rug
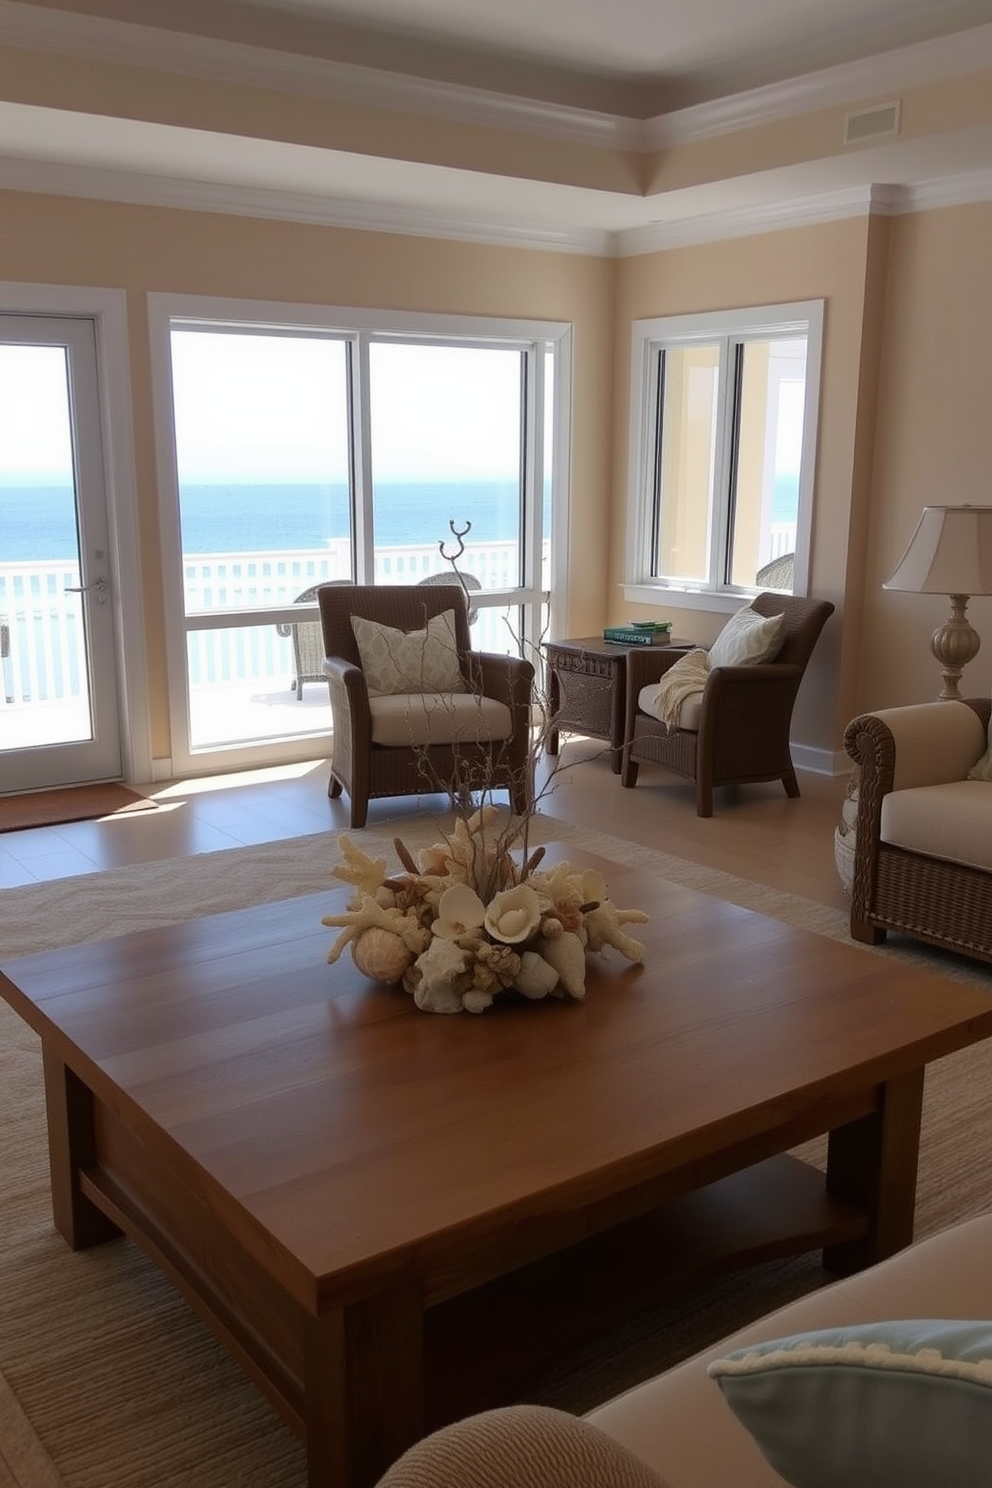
107	1379
50	808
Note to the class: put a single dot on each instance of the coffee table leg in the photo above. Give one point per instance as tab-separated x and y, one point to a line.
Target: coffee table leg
872	1163
364	1387
71	1146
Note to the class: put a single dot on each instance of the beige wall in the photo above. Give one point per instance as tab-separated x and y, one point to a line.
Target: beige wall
934	440
137	249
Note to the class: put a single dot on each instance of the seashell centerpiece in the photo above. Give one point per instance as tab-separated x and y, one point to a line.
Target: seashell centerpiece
465	922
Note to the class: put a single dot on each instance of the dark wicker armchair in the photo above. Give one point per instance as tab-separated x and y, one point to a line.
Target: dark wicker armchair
308	643
922	863
745	712
416	743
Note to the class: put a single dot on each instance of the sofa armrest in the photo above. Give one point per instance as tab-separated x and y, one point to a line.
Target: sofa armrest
921	744
520	1446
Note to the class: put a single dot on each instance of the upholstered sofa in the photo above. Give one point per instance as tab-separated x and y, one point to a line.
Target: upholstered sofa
922	862
860	1420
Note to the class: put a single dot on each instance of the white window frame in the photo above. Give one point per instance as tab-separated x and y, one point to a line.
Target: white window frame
649	337
359	326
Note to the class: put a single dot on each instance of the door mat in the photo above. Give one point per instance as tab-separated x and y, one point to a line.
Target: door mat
74	803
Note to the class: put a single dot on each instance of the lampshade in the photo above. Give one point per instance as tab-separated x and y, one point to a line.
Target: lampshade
949	553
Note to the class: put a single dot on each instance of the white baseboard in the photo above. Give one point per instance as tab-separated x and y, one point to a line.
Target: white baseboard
162	769
821	761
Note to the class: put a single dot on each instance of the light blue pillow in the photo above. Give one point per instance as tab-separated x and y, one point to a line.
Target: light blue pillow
903	1404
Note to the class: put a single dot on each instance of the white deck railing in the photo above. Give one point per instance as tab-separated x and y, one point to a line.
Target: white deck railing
43	623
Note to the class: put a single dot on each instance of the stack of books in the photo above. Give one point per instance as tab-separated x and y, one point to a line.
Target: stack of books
640	633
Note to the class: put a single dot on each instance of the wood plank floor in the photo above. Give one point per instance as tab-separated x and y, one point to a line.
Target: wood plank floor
756	831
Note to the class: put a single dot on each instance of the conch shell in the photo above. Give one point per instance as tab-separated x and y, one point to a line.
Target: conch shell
381	955
567	955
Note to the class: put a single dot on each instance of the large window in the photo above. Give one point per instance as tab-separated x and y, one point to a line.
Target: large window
365	449
723	438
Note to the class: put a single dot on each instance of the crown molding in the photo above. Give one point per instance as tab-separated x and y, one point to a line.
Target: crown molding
742	222
134	188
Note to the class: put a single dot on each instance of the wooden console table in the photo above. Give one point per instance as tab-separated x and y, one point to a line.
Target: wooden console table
587	688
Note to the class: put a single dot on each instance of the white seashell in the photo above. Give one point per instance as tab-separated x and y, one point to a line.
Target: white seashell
537	976
514	915
459	910
437	999
381	955
566	954
476	1001
594	889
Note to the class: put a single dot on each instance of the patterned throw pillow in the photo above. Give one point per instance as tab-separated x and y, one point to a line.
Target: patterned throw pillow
397	661
747	639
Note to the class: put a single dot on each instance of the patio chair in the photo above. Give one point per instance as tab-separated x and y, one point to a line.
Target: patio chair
420	712
308	643
736	730
467	581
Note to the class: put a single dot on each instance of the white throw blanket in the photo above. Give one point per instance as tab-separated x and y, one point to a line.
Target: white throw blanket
664	699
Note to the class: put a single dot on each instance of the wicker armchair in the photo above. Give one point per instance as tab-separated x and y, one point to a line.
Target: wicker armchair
419	743
308	643
744	715
923	832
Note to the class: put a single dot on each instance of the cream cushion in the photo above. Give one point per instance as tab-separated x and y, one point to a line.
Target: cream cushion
952	821
747	639
410	718
398	661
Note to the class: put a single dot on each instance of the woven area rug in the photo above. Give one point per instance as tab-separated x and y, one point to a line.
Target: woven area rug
108	1380
49	808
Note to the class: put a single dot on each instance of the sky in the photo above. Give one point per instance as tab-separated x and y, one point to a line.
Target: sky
34	412
266	408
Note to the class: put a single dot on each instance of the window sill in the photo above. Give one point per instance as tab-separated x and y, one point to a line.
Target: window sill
662	597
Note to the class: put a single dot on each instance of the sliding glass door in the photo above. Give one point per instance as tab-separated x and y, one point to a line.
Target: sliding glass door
299	455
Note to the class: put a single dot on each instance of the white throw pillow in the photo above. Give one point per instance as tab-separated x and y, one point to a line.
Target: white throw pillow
983	769
747	639
397	661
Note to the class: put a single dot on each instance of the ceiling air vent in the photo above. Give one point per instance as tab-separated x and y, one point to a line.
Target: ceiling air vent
873	123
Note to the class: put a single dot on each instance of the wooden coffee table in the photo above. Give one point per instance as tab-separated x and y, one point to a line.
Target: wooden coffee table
387	1216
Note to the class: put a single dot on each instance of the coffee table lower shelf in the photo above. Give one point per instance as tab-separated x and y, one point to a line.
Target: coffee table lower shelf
535	1317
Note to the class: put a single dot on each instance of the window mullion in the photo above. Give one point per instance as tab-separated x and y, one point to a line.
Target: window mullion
363	530
723	461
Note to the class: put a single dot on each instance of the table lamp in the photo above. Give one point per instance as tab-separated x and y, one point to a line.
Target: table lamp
950	553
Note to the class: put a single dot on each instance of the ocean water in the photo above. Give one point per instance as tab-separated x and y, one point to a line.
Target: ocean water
37	522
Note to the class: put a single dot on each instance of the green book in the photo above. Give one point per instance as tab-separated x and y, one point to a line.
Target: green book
629	635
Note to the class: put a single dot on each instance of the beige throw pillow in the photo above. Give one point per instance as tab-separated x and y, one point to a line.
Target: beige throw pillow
409	661
983	769
747	639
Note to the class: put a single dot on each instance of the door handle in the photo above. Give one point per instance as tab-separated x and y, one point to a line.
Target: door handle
98	585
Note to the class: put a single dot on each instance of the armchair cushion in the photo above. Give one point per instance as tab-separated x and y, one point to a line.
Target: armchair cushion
747	639
406	719
416	661
675	697
882	1404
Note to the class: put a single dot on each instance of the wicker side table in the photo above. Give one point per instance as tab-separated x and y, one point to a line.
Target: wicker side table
587	689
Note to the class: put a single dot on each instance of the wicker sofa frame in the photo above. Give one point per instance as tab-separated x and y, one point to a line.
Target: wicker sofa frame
367	770
944	903
745	712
